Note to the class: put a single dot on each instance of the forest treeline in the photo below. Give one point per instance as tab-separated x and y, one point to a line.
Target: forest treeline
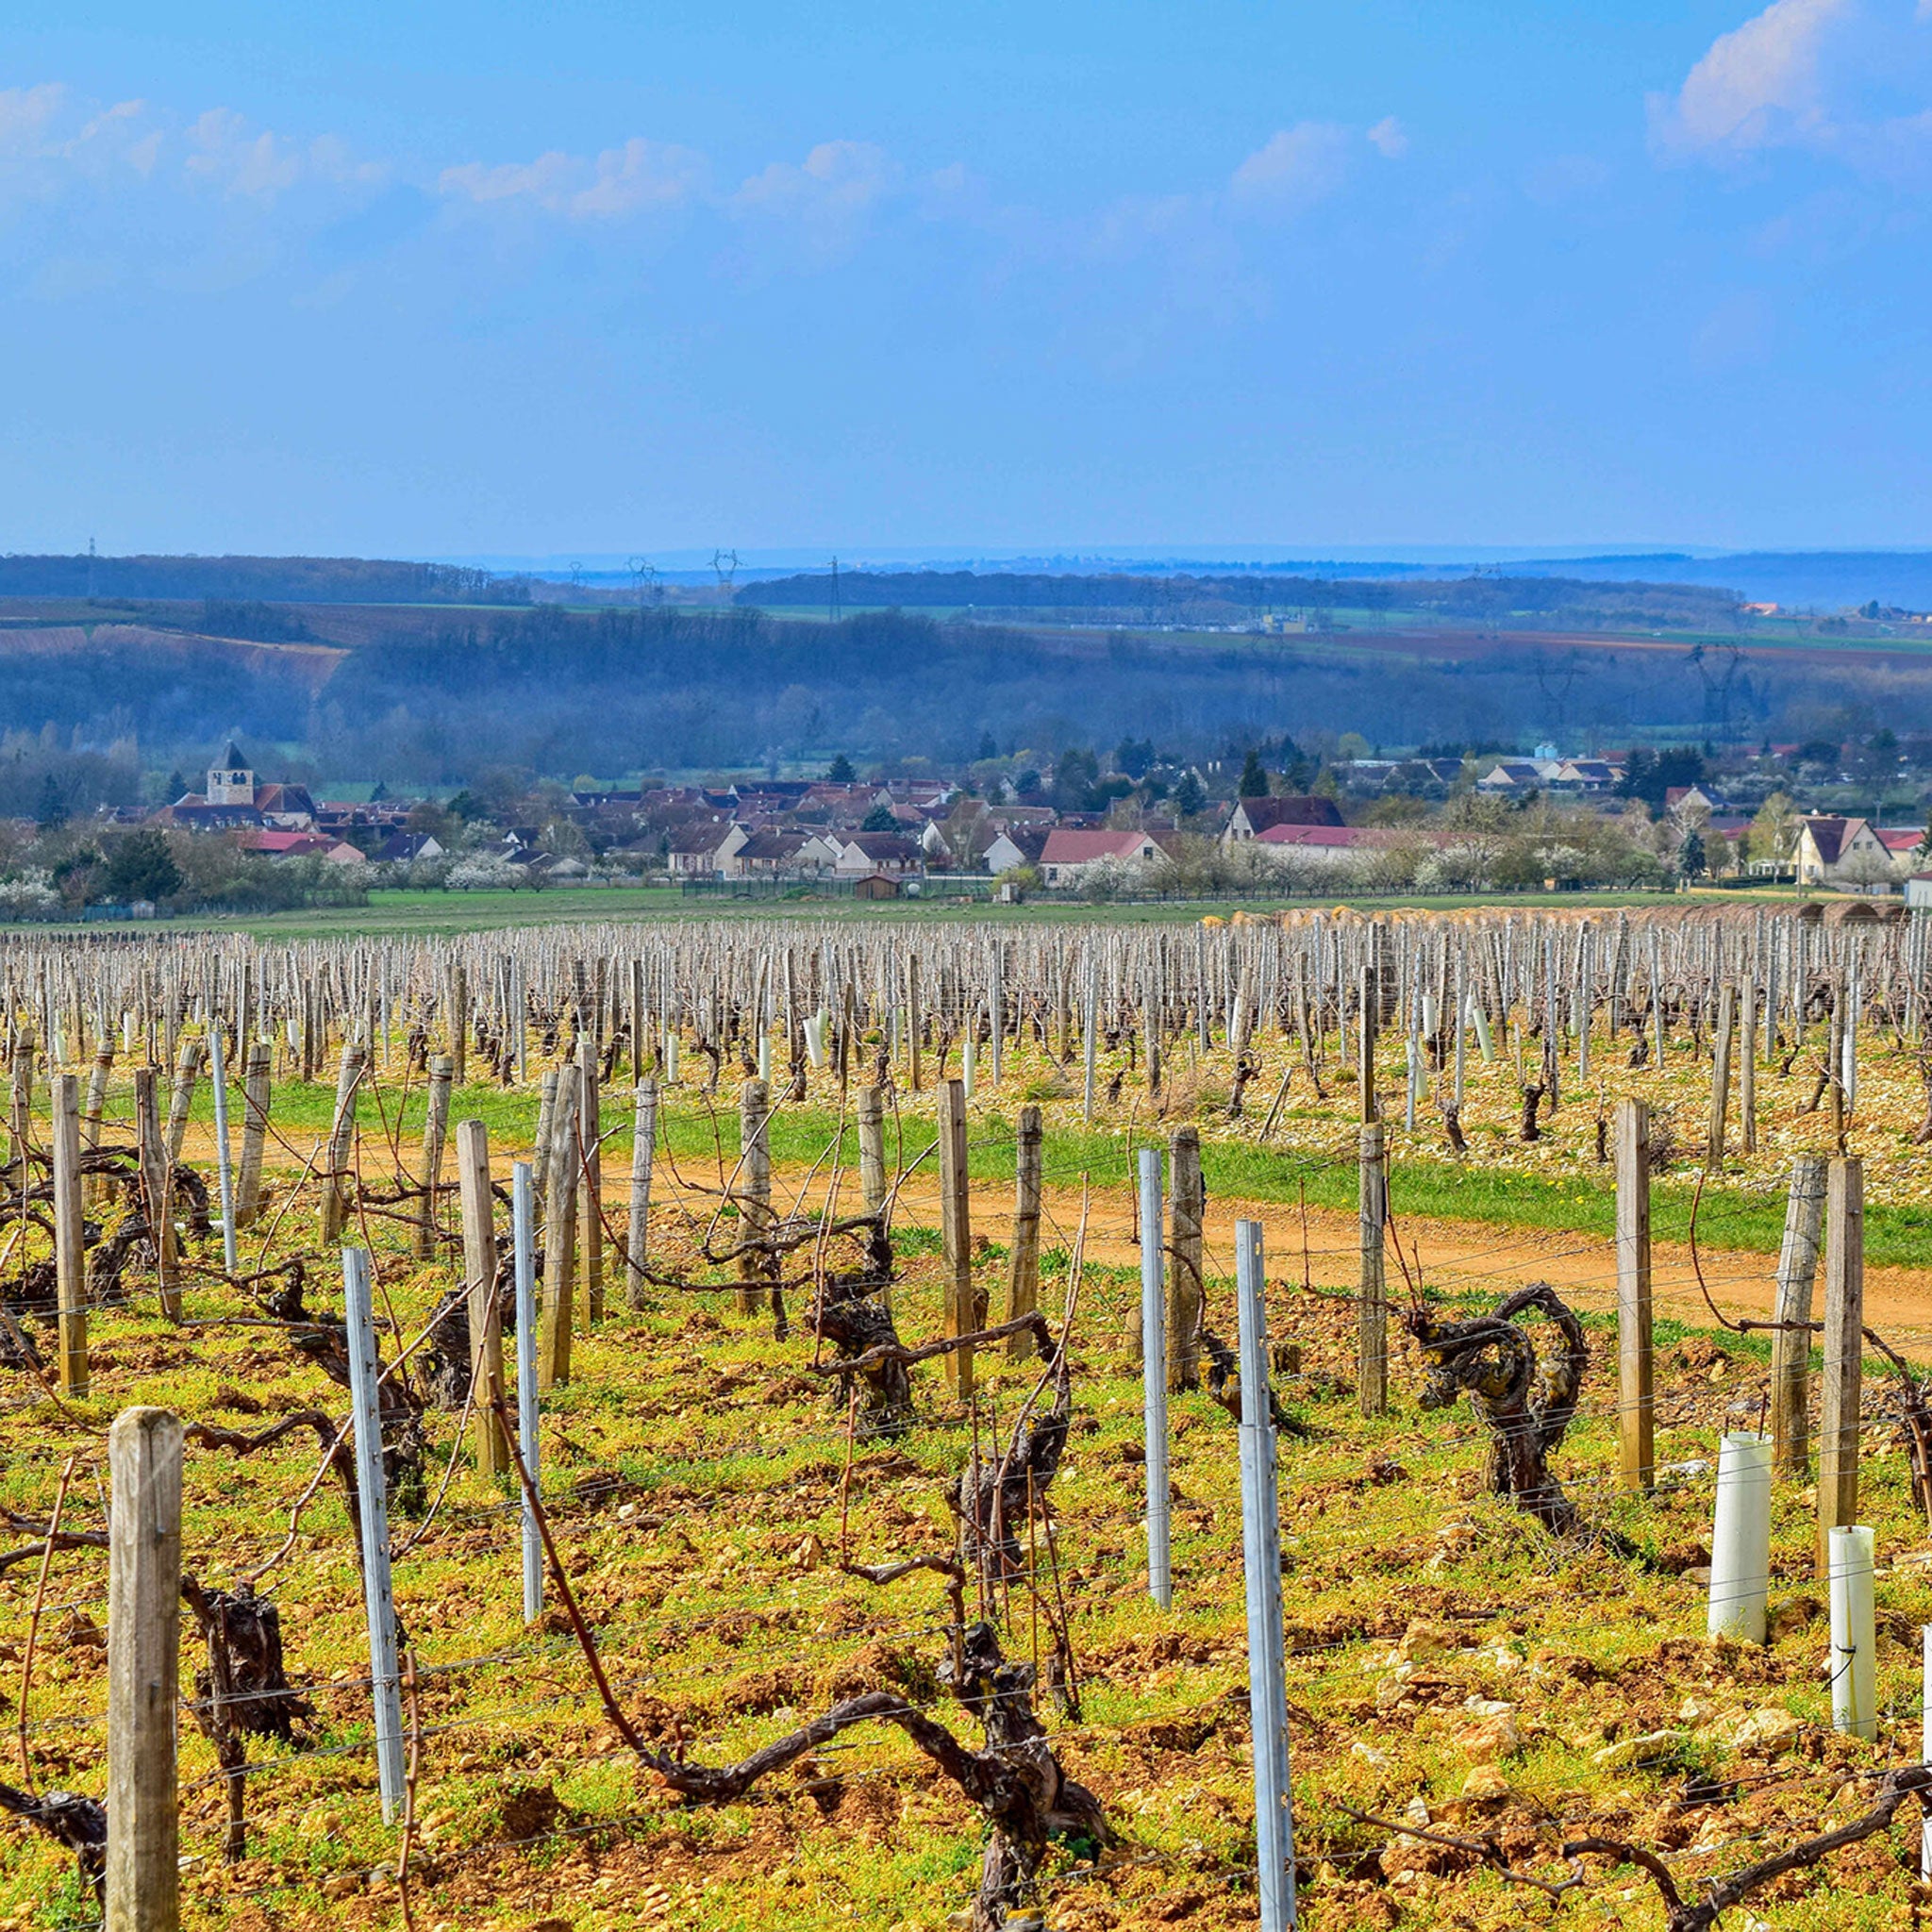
435	697
276	579
1187	599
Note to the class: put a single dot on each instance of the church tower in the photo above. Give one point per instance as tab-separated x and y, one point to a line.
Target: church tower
231	782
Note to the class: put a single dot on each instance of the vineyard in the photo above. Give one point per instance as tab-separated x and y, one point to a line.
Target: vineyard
687	1426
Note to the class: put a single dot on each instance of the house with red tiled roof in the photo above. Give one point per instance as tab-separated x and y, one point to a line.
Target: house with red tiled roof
1336	844
1070	853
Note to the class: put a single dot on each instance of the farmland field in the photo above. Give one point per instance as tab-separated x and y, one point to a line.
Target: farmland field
1452	1667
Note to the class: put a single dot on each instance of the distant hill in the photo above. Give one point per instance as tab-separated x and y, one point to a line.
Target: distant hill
272	579
1179	598
1824	580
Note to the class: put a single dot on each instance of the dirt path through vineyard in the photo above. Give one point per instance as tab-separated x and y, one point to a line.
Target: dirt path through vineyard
1489	1255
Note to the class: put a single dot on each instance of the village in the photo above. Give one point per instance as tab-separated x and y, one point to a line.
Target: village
1267	819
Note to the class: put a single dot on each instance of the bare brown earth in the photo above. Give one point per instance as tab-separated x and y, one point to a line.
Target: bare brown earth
1452	1255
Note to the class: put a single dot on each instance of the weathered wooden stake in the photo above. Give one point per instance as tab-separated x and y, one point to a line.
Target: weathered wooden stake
69	1256
143	1671
590	1177
753	1193
335	1199
1186	1301
1791	1345
157	1182
955	1226
872	1149
480	1277
1721	1076
186	1069
1747	1064
1844	1352
1022	1287
560	1234
435	1133
254	1107
1372	1335
1636	1409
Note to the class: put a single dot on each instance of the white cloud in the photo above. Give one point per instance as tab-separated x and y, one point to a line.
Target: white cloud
624	180
1295	167
838	180
1389	138
224	152
1840	78
1758	85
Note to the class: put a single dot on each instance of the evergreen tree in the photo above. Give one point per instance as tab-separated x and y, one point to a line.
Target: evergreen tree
841	771
1190	796
142	867
880	818
52	809
1254	780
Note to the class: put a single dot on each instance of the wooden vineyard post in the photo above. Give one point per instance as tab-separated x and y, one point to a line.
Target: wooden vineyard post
181	1098
1790	1344
69	1256
435	1133
1636	1413
157	1184
254	1106
956	1229
378	1593
546	1113
1023	1288
1154	1380
97	1108
20	1116
912	1023
1721	1076
1372	1335
224	1170
1366	1020
143	1671
479	1275
1089	1038
753	1193
342	1135
459	1023
642	1149
1187	1302
590	1178
560	1234
1844	1352
1747	1065
872	1149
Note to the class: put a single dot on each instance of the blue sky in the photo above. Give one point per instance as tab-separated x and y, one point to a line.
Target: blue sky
594	277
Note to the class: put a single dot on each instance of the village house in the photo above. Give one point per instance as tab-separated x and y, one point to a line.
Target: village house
1251	817
882	853
1853	855
1069	854
1332	845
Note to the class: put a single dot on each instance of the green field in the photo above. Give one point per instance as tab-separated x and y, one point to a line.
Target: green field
433	911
